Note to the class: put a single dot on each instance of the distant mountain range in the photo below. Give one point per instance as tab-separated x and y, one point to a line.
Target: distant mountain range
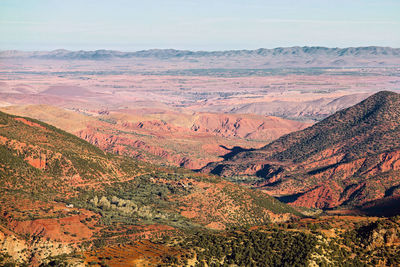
295	52
349	159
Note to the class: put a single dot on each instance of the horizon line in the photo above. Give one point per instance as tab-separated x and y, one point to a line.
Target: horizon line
194	50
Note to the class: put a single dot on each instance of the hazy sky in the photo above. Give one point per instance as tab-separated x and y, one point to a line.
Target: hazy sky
196	24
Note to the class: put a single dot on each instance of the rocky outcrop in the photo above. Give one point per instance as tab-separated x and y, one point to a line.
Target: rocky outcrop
246	126
32	251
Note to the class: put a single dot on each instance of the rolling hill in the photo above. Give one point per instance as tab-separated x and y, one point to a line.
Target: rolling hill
350	159
61	195
317	109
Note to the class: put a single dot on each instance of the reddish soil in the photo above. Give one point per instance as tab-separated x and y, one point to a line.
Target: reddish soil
142	253
203	138
58	222
30	123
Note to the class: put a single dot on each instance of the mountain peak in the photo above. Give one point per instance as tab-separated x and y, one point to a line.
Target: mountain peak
384	96
349	158
386	99
382	107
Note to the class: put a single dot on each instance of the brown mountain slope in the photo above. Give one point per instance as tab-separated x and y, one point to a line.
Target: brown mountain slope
350	158
60	194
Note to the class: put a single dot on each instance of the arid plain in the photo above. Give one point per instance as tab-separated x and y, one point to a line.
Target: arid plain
185	110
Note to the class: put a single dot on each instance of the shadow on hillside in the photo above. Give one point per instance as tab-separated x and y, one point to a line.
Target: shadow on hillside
289	198
322	169
385	207
234	151
217	170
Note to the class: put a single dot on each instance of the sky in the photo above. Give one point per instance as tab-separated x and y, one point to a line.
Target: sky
196	24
